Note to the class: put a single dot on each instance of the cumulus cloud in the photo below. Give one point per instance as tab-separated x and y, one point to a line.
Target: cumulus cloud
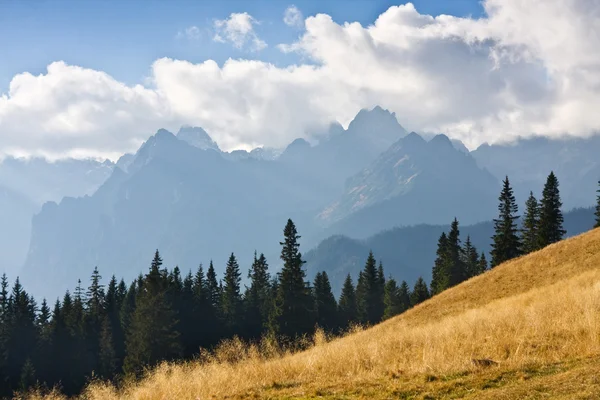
526	68
238	29
292	16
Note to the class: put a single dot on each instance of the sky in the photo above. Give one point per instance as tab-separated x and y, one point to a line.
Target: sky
96	78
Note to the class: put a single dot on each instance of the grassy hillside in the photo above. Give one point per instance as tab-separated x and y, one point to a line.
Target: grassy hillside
537	317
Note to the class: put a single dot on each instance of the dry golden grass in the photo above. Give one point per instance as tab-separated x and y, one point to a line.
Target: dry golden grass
538	317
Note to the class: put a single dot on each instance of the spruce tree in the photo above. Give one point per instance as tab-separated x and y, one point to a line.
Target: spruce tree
597	212
347	303
231	300
294	307
152	337
551	218
392	300
419	293
213	287
482	265
506	243
325	304
257	297
529	231
440	273
107	357
404	295
115	297
369	301
457	270
470	259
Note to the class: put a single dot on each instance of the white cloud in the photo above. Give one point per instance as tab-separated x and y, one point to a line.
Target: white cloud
527	68
239	30
191	33
293	17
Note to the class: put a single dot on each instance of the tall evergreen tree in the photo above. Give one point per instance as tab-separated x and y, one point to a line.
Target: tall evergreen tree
419	293
551	218
440	274
470	258
457	269
368	293
151	337
529	230
294	307
404	295
482	265
213	287
347	304
597	212
506	243
392	301
231	301
257	297
325	304
115	297
107	358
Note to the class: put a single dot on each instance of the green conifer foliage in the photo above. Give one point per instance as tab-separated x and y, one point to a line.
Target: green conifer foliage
419	293
393	303
531	220
231	300
347	304
506	243
551	218
152	337
294	307
326	307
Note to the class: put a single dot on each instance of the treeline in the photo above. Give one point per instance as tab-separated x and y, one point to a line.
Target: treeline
541	225
118	330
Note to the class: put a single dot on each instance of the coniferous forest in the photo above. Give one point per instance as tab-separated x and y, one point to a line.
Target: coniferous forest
117	330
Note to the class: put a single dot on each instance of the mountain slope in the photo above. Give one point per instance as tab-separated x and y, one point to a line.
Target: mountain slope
535	317
413	182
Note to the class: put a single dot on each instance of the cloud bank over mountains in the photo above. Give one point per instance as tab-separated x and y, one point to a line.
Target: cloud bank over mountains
526	68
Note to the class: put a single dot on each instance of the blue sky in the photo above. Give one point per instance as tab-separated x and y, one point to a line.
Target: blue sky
123	38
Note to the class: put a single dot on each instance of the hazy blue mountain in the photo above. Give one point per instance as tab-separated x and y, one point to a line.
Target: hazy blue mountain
25	184
408	252
197	137
413	182
528	162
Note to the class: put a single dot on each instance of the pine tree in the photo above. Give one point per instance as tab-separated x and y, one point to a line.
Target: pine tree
597	212
392	301
294	307
404	295
231	300
506	243
257	297
551	218
419	293
440	274
529	231
325	304
347	304
470	258
151	337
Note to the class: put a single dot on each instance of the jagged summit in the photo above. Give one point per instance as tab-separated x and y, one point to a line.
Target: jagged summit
197	137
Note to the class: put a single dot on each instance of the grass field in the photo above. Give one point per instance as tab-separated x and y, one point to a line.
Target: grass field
537	318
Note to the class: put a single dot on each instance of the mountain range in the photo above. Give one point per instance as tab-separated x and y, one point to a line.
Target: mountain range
182	194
